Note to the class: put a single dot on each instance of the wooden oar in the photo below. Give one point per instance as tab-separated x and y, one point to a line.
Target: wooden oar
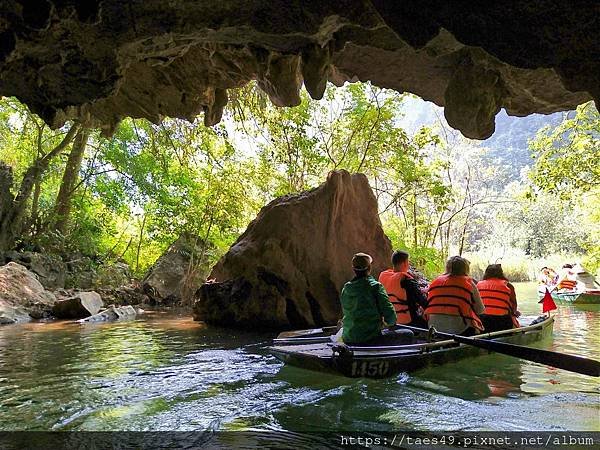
306	333
577	364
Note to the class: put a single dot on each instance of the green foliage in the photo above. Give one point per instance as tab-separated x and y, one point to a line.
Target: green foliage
567	166
438	193
427	259
567	156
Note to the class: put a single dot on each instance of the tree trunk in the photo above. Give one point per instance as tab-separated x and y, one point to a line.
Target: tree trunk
62	208
414	212
464	233
35	202
13	210
6	197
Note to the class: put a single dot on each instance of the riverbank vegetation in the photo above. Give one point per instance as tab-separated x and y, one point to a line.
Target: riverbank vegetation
528	197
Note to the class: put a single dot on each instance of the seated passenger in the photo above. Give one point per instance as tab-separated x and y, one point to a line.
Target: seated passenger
453	301
403	291
566	278
548	276
364	304
500	300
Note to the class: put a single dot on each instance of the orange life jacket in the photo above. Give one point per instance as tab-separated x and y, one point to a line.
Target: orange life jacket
391	281
452	295
567	284
495	295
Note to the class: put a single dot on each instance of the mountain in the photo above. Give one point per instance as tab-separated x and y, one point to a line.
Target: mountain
508	146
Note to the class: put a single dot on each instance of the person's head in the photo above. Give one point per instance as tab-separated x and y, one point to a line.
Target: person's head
361	264
494	271
567	266
457	265
400	261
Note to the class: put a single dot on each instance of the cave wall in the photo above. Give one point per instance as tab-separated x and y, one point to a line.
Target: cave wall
103	60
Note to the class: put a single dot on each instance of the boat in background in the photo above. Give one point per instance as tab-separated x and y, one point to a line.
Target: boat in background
587	297
586	289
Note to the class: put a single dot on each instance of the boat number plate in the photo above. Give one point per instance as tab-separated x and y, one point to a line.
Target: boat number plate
370	368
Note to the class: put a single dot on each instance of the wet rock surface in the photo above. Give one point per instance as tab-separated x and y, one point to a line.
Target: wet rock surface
288	268
103	60
113	313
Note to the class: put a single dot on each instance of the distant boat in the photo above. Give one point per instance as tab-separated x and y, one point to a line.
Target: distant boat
587	297
586	292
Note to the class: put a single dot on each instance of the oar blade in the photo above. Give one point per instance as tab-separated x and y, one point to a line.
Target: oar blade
563	361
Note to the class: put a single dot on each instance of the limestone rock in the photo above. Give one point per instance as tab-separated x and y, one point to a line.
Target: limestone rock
82	304
180	269
21	291
49	268
113	313
12	314
102	61
288	268
129	294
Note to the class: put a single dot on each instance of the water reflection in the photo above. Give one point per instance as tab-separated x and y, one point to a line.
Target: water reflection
167	372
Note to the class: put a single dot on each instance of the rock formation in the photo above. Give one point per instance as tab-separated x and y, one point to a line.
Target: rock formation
79	306
180	269
129	294
288	268
102	60
50	269
22	296
113	313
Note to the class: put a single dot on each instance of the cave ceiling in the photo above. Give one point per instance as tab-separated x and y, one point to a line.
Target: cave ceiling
103	60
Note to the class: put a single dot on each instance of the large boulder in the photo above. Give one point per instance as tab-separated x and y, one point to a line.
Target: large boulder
178	272
50	269
21	293
79	306
288	268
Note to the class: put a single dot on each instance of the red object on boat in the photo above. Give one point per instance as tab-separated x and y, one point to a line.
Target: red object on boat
547	302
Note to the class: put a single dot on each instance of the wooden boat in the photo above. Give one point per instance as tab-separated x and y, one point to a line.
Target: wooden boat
589	297
314	350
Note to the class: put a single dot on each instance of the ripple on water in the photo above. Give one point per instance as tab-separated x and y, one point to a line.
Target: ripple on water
166	372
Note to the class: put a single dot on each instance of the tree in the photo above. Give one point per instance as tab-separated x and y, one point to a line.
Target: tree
14	207
62	209
567	166
567	156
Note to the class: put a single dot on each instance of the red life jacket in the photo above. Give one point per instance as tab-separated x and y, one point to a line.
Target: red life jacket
495	295
391	281
452	295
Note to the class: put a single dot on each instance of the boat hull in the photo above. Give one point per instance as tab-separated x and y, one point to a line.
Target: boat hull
380	364
574	298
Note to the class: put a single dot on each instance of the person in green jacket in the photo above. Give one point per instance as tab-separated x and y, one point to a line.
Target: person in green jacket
364	304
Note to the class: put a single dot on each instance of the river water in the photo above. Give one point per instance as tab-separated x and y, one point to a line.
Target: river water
166	372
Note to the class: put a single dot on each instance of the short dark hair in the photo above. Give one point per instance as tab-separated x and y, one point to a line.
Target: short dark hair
398	257
494	271
457	265
567	266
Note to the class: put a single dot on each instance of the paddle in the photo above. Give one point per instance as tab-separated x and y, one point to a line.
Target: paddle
572	363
